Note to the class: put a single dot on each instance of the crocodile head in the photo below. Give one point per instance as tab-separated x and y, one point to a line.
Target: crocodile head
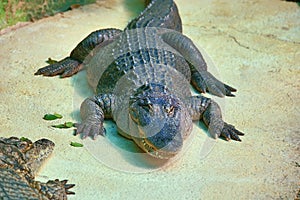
159	121
22	151
39	151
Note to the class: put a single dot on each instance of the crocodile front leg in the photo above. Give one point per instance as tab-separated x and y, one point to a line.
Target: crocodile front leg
210	112
93	111
72	64
202	80
53	189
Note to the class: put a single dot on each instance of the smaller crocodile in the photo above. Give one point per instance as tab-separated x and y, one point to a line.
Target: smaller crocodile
20	160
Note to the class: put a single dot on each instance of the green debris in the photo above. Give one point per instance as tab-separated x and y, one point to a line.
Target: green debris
69	124
52	116
50	61
64	125
24	139
13	11
76	144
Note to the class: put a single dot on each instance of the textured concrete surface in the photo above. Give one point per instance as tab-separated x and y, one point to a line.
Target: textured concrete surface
255	46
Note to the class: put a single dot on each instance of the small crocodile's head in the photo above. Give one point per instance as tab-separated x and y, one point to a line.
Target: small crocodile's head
159	121
22	151
39	151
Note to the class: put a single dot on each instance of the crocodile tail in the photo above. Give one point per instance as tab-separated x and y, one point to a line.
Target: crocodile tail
158	13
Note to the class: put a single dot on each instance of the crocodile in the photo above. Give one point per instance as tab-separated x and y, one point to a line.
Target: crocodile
141	76
20	159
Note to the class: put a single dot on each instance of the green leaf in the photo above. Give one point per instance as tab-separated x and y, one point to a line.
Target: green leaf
24	139
58	115
69	124
65	125
59	126
52	116
76	144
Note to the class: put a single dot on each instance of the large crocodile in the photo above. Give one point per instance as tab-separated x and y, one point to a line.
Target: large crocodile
142	77
20	160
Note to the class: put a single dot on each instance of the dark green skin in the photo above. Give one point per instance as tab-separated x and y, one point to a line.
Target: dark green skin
19	161
141	77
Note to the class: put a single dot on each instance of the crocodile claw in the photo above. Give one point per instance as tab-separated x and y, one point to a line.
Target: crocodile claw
206	82
66	186
230	132
66	67
86	129
61	188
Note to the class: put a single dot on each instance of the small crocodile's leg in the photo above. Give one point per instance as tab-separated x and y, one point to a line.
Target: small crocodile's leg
72	64
55	189
202	80
93	111
210	112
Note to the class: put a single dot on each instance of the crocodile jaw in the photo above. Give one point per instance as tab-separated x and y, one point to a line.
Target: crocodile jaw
150	149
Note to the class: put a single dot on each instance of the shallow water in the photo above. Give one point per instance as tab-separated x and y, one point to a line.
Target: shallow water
255	48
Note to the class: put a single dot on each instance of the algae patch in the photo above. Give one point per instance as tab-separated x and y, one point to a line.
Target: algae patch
13	11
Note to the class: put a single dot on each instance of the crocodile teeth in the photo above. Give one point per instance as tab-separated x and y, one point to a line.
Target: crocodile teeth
151	150
148	147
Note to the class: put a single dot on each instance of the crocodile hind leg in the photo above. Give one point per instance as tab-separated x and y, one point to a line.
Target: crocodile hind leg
201	79
210	112
204	81
93	111
72	64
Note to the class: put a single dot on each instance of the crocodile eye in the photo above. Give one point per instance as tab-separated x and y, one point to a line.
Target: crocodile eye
147	107
169	110
23	146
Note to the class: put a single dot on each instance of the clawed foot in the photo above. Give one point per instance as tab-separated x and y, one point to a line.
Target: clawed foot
206	82
61	189
90	129
216	126
66	67
230	132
